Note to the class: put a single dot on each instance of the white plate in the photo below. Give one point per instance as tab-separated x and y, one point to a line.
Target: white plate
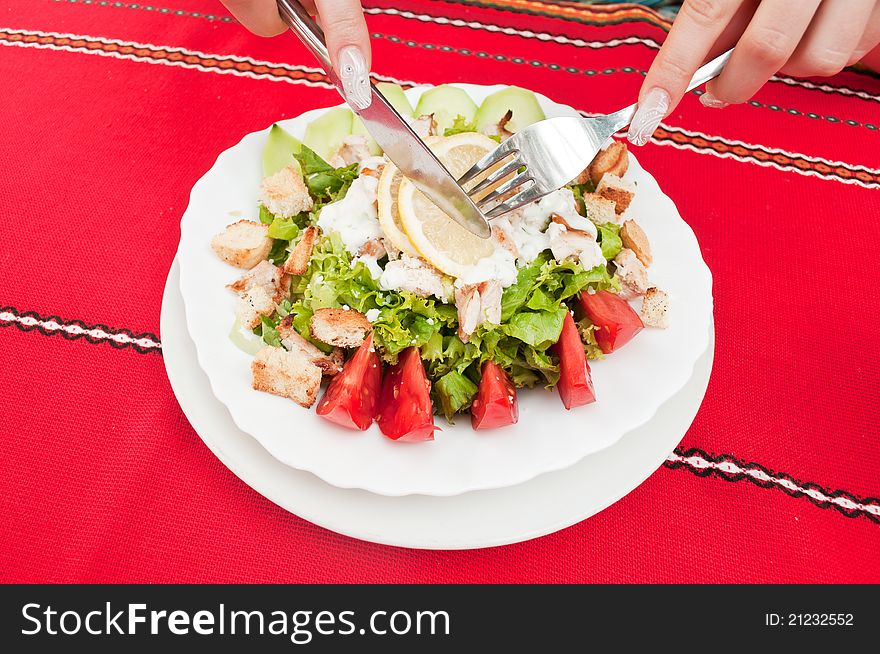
486	518
631	384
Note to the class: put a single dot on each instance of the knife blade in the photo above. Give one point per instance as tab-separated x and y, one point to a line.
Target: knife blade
393	134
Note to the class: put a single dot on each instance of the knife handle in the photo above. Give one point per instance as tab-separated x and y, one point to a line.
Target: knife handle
308	31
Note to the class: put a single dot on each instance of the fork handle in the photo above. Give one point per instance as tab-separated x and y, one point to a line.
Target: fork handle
709	70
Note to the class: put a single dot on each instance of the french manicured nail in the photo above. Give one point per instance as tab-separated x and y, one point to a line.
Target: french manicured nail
355	76
651	110
709	100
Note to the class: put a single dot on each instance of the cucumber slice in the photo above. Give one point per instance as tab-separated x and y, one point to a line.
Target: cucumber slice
522	103
324	135
446	102
279	150
358	127
395	95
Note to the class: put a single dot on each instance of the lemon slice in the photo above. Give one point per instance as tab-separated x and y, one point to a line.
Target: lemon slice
445	244
389	218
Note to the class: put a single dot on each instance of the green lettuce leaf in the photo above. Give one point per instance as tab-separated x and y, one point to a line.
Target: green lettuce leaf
540	329
454	393
609	240
460	125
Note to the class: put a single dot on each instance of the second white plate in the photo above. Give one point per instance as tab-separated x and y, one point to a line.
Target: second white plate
541	506
631	384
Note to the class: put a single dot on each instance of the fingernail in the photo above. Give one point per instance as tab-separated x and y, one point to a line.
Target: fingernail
709	100
355	76
651	110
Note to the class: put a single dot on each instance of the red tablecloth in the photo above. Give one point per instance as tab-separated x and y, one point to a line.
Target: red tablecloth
109	113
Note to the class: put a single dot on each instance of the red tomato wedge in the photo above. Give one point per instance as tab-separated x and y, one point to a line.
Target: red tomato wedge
616	321
495	404
352	398
575	385
405	410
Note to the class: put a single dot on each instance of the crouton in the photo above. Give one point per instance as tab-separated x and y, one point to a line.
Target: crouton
285	193
259	290
243	244
298	261
252	305
633	237
619	191
286	373
633	275
614	159
330	364
264	274
655	308
599	209
340	327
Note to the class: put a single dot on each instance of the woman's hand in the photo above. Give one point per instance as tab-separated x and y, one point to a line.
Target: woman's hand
344	28
797	37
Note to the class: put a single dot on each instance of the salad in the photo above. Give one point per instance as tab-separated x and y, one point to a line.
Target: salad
354	278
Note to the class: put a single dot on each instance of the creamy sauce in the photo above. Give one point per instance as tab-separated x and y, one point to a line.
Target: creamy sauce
354	217
501	266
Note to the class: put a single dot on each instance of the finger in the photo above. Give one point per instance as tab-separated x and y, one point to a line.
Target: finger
349	44
770	39
696	29
259	16
870	38
833	36
735	28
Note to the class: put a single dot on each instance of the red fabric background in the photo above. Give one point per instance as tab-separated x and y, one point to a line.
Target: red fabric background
104	480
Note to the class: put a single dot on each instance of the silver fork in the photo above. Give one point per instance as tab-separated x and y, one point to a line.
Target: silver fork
547	155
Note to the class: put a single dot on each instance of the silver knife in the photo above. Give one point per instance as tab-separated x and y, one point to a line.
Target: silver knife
393	134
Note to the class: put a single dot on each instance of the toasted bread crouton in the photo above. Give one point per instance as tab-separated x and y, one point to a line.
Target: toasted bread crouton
285	193
599	209
330	364
298	261
632	273
633	237
340	327
264	274
614	159
619	191
252	305
655	308
286	373
243	244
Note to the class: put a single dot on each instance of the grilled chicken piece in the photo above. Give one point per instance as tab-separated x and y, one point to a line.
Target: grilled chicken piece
354	149
477	303
632	272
